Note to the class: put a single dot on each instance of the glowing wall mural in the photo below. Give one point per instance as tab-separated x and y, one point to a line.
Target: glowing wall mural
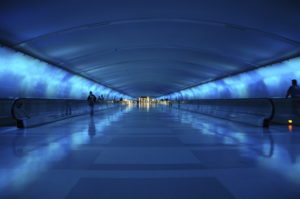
24	76
270	81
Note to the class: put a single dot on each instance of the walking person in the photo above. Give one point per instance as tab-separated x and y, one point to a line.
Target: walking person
294	90
91	100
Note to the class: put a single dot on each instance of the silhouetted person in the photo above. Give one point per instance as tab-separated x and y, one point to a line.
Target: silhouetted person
294	90
100	99
19	113
91	100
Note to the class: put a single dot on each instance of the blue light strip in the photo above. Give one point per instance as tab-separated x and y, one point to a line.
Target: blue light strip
24	76
270	81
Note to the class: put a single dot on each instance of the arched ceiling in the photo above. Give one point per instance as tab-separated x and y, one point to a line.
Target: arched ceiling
153	47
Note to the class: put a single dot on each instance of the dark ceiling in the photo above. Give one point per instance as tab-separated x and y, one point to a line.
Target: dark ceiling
153	47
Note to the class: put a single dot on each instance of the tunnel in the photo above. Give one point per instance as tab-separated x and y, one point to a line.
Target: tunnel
149	99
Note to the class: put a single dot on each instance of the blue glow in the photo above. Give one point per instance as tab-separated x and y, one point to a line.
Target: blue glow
268	154
270	81
24	76
54	151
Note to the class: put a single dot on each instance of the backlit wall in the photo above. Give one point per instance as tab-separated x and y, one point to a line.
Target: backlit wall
24	76
270	81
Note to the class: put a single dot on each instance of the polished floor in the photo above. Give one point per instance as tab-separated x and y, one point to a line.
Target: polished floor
149	152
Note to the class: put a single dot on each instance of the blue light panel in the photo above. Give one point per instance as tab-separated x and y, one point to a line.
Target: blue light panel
270	81
24	76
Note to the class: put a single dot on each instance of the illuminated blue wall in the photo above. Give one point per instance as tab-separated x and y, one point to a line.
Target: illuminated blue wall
24	76
270	81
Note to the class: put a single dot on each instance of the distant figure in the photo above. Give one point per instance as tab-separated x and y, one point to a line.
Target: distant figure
91	100
294	90
19	113
100	99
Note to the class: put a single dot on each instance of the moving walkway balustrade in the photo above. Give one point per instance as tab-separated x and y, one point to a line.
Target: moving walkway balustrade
258	112
287	111
6	118
26	112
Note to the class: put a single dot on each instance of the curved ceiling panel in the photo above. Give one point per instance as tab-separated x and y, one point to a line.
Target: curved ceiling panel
153	48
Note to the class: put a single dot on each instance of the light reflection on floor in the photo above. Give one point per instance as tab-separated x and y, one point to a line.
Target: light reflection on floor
147	146
278	156
39	153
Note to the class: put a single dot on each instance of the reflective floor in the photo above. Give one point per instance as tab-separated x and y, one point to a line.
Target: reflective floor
149	152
